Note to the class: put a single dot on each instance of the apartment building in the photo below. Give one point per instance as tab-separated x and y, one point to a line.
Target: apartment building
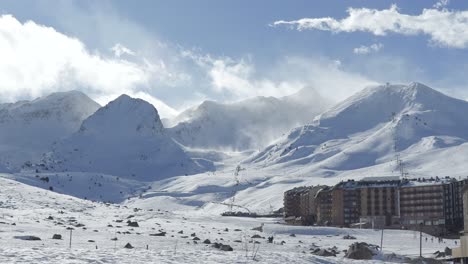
300	205
431	204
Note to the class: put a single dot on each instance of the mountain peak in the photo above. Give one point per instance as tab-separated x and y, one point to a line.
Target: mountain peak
124	116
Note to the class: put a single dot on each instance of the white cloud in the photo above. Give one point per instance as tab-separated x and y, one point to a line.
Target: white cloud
37	60
120	49
445	28
441	4
240	79
368	49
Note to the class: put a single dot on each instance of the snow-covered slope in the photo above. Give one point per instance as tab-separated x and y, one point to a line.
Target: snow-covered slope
92	232
358	138
252	123
28	128
366	129
124	138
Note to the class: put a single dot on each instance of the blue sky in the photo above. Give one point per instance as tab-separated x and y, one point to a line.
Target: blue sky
178	53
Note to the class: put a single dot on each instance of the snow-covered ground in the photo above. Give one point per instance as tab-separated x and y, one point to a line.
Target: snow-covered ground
31	211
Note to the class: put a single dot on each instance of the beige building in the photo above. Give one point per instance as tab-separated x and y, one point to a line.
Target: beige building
460	254
324	205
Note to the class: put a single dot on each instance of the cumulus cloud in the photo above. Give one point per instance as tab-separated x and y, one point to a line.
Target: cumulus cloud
444	27
37	60
368	49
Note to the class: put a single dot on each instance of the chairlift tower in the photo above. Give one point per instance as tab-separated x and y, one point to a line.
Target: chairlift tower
399	162
235	187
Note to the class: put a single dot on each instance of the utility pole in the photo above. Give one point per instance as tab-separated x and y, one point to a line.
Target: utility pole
420	240
70	237
381	241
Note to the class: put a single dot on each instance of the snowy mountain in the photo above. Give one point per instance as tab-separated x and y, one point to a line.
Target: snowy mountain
124	138
359	137
370	127
28	128
247	124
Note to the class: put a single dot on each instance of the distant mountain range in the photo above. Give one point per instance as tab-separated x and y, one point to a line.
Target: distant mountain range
284	142
70	132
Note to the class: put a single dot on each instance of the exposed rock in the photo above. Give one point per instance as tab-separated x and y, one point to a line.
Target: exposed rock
133	224
226	248
128	245
361	250
217	245
323	253
206	241
29	238
57	236
159	234
348	237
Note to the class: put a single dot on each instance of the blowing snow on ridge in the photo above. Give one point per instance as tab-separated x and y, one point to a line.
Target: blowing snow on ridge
247	124
368	128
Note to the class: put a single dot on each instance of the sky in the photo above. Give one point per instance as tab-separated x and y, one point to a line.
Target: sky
175	54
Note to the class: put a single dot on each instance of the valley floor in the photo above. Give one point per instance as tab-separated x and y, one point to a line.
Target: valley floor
30	211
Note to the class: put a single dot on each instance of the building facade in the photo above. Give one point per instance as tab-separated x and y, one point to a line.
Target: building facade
460	254
324	206
300	205
434	205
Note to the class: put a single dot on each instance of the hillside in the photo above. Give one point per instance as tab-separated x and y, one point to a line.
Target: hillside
247	124
360	137
369	127
124	138
28	128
